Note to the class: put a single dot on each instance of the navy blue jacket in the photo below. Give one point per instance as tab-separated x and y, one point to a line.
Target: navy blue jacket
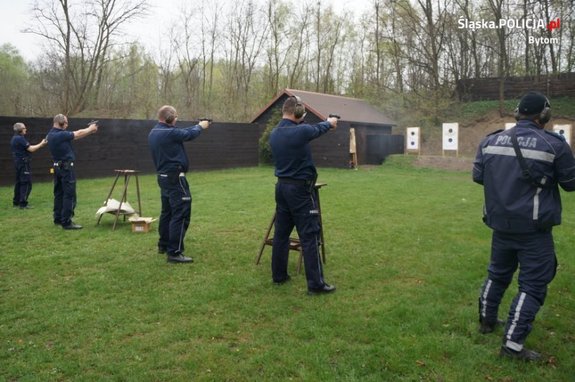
167	146
19	146
512	203
60	144
291	153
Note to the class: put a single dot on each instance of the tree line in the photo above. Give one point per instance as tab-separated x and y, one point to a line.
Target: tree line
228	61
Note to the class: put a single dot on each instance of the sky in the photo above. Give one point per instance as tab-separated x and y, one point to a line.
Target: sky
16	15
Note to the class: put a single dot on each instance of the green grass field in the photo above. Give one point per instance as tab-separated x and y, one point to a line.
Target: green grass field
406	249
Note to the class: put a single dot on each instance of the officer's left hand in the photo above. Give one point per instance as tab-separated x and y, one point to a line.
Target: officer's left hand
204	124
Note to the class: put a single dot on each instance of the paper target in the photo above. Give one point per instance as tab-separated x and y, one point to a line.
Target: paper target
450	134
565	131
412	139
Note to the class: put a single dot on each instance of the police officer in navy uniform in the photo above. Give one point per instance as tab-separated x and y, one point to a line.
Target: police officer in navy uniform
522	204
171	161
21	150
60	144
296	197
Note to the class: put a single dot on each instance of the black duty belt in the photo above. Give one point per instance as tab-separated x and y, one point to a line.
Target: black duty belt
301	182
165	175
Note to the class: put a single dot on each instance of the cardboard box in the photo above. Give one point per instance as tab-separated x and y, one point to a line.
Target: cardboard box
141	224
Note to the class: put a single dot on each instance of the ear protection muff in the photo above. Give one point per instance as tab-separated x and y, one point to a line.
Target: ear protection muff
516	113
299	110
545	114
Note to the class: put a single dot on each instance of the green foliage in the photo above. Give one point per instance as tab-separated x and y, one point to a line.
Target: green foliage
265	154
478	109
133	77
406	249
13	77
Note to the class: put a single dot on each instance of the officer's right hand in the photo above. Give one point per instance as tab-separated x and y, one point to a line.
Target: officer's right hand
93	127
204	124
333	122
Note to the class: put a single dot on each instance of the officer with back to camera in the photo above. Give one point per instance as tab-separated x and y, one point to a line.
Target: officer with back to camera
171	161
21	150
522	204
296	197
60	144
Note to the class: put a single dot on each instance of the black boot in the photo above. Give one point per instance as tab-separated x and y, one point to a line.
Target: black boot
522	355
489	327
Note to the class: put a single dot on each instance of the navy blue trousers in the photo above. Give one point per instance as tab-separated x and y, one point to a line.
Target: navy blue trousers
534	254
23	184
297	206
176	213
64	195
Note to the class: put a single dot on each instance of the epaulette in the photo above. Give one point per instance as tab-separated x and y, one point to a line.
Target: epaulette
495	132
556	135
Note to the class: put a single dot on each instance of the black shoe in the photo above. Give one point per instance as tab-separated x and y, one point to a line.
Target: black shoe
26	207
489	327
523	355
162	250
326	288
72	226
179	259
281	282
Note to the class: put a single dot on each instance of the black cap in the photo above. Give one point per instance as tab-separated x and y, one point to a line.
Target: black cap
532	103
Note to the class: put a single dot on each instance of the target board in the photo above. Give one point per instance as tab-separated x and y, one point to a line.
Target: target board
450	135
412	140
565	131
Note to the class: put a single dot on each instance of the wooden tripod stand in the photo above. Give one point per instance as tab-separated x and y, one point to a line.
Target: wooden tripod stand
294	243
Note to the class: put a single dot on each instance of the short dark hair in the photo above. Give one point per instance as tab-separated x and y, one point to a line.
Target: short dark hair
167	113
60	120
289	105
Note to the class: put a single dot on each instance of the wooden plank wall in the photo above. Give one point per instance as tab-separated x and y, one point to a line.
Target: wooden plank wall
560	85
123	144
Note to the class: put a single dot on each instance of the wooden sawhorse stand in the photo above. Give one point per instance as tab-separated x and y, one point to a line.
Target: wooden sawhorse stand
127	175
294	243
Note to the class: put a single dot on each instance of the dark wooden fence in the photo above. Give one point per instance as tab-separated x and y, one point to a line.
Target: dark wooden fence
374	143
123	144
559	85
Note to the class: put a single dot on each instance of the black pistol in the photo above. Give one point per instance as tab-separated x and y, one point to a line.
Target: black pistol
334	116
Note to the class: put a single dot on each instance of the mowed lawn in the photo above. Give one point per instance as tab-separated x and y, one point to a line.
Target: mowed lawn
405	247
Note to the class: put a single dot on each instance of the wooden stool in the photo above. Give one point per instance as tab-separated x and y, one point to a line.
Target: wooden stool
127	174
294	243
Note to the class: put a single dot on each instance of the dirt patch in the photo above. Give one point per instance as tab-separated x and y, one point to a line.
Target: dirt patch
471	134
